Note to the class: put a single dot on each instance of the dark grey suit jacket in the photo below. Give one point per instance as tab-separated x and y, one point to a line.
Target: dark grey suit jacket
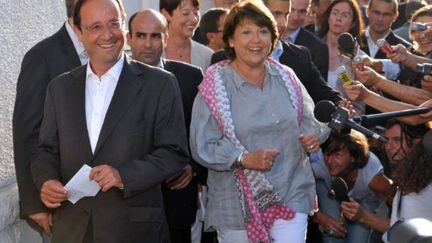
143	137
318	49
43	62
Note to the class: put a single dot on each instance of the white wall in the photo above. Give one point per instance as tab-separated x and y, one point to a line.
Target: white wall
23	23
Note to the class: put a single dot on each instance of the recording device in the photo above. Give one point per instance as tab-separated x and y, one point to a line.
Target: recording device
344	75
338	118
384	46
358	62
347	45
417	26
424	68
339	190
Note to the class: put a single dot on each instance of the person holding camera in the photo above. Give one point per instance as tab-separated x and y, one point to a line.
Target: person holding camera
347	156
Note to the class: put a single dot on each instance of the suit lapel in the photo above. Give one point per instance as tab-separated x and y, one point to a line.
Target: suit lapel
128	86
72	59
78	109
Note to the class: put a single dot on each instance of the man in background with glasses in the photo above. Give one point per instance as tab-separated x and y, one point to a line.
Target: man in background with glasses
120	120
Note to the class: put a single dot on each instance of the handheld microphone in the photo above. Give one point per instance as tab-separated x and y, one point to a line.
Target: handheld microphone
344	75
358	62
384	46
339	190
346	45
338	118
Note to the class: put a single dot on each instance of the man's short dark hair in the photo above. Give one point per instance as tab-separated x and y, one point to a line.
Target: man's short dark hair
80	3
209	21
70	7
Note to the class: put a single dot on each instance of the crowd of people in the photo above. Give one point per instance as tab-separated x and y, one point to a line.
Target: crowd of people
204	129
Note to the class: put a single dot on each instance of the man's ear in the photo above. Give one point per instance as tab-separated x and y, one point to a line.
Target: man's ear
78	32
166	15
395	16
128	37
210	36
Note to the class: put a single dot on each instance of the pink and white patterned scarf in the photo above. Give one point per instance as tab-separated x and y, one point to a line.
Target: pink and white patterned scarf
260	205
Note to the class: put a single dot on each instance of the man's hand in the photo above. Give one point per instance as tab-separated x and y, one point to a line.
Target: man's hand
180	180
43	219
426	83
367	76
356	91
53	193
106	176
261	159
309	141
429	114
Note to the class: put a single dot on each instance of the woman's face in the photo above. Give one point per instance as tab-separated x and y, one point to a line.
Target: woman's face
184	19
340	18
251	43
423	40
338	162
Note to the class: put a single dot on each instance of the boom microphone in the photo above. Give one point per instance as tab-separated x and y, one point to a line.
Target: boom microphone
391	114
338	118
384	46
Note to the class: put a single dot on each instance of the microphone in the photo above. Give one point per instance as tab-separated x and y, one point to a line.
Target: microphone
391	114
344	75
358	62
384	46
339	190
338	118
346	45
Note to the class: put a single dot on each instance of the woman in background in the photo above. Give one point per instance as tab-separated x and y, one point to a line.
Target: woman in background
183	18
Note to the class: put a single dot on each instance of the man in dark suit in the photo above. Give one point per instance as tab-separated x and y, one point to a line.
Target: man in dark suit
296	34
46	60
296	57
381	14
122	118
147	39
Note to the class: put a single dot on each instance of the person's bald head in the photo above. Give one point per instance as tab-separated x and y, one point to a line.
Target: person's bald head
147	36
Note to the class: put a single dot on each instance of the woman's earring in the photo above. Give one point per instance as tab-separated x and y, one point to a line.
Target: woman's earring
231	45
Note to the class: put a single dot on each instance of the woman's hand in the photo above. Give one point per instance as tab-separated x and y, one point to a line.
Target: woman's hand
309	141
399	55
352	210
333	227
261	159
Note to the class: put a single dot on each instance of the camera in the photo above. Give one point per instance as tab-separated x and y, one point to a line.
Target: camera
424	68
416	26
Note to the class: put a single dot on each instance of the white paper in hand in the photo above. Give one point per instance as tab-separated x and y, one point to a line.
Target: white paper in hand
81	186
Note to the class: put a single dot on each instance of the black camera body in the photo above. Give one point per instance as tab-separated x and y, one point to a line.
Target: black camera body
424	68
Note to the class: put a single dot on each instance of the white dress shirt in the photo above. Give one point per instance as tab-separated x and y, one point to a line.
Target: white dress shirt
391	70
98	95
79	47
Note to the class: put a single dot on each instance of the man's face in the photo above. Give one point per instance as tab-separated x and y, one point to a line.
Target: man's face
280	11
395	148
216	37
381	16
147	38
224	3
299	11
102	33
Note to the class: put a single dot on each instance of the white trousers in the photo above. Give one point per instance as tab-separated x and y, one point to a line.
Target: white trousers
293	231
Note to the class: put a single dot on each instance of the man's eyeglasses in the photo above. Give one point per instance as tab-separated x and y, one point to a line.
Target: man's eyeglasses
99	28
